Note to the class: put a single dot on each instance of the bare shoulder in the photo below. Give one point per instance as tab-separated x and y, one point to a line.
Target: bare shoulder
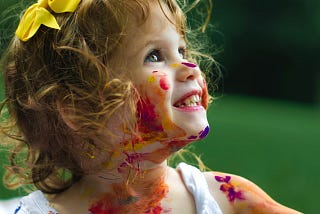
236	194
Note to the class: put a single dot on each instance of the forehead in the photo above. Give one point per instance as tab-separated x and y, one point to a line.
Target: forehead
157	21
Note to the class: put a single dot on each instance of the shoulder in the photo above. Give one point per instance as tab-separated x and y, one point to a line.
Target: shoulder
236	194
35	203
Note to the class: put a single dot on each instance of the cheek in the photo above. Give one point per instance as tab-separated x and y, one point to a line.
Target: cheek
158	79
164	83
146	110
205	95
154	93
156	87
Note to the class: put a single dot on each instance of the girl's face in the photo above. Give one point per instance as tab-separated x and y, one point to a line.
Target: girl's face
173	92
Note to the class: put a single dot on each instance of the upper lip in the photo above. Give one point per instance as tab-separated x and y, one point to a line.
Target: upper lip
188	94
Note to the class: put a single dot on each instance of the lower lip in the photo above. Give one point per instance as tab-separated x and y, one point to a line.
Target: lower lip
189	108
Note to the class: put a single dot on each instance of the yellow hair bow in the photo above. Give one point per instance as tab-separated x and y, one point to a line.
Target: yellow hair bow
37	15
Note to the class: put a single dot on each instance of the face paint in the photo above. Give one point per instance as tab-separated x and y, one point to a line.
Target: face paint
151	79
204	132
151	107
192	137
164	83
174	65
189	64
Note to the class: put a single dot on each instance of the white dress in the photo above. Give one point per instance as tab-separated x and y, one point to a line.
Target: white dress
36	203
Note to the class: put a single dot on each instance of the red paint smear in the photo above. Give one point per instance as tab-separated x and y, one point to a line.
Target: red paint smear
104	205
147	117
146	110
164	83
157	210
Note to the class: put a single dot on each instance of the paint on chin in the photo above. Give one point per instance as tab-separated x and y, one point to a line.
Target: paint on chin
204	133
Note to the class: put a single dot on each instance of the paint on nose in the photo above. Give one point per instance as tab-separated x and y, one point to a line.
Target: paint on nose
189	64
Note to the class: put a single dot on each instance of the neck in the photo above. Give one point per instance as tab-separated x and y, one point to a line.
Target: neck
120	191
134	178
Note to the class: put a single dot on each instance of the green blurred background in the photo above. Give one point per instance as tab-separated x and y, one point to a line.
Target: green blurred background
266	122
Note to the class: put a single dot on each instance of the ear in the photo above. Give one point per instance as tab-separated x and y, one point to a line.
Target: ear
67	114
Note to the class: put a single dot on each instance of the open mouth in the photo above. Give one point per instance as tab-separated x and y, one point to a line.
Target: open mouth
191	100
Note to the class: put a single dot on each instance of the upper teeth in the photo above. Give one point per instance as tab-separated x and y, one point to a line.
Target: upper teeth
193	100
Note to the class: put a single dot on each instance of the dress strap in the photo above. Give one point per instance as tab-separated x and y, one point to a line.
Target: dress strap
35	203
197	185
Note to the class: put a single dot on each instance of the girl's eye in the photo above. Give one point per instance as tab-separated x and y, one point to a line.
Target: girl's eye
182	53
154	56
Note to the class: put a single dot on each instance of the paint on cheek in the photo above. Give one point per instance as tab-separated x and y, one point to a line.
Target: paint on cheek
146	110
164	83
151	79
147	117
174	65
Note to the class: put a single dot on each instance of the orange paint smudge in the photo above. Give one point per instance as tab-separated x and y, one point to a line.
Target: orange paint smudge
124	199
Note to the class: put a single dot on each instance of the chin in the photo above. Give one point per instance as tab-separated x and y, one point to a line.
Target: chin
195	128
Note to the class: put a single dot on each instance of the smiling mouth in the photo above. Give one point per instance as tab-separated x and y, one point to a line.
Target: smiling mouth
190	101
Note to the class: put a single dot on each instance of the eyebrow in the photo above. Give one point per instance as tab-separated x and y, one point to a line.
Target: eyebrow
159	41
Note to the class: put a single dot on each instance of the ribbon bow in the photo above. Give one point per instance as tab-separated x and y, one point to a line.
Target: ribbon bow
37	15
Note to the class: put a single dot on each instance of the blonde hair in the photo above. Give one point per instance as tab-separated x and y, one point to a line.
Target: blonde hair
67	70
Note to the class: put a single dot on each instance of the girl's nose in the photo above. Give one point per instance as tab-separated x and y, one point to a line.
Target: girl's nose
187	71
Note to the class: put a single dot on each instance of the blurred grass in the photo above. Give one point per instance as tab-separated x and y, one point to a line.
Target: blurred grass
273	143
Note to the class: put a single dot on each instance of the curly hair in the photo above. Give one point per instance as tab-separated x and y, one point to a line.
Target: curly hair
66	70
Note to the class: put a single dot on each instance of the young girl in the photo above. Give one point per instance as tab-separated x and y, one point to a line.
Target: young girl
100	94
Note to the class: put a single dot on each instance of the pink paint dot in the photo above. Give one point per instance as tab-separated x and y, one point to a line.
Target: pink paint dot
164	84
